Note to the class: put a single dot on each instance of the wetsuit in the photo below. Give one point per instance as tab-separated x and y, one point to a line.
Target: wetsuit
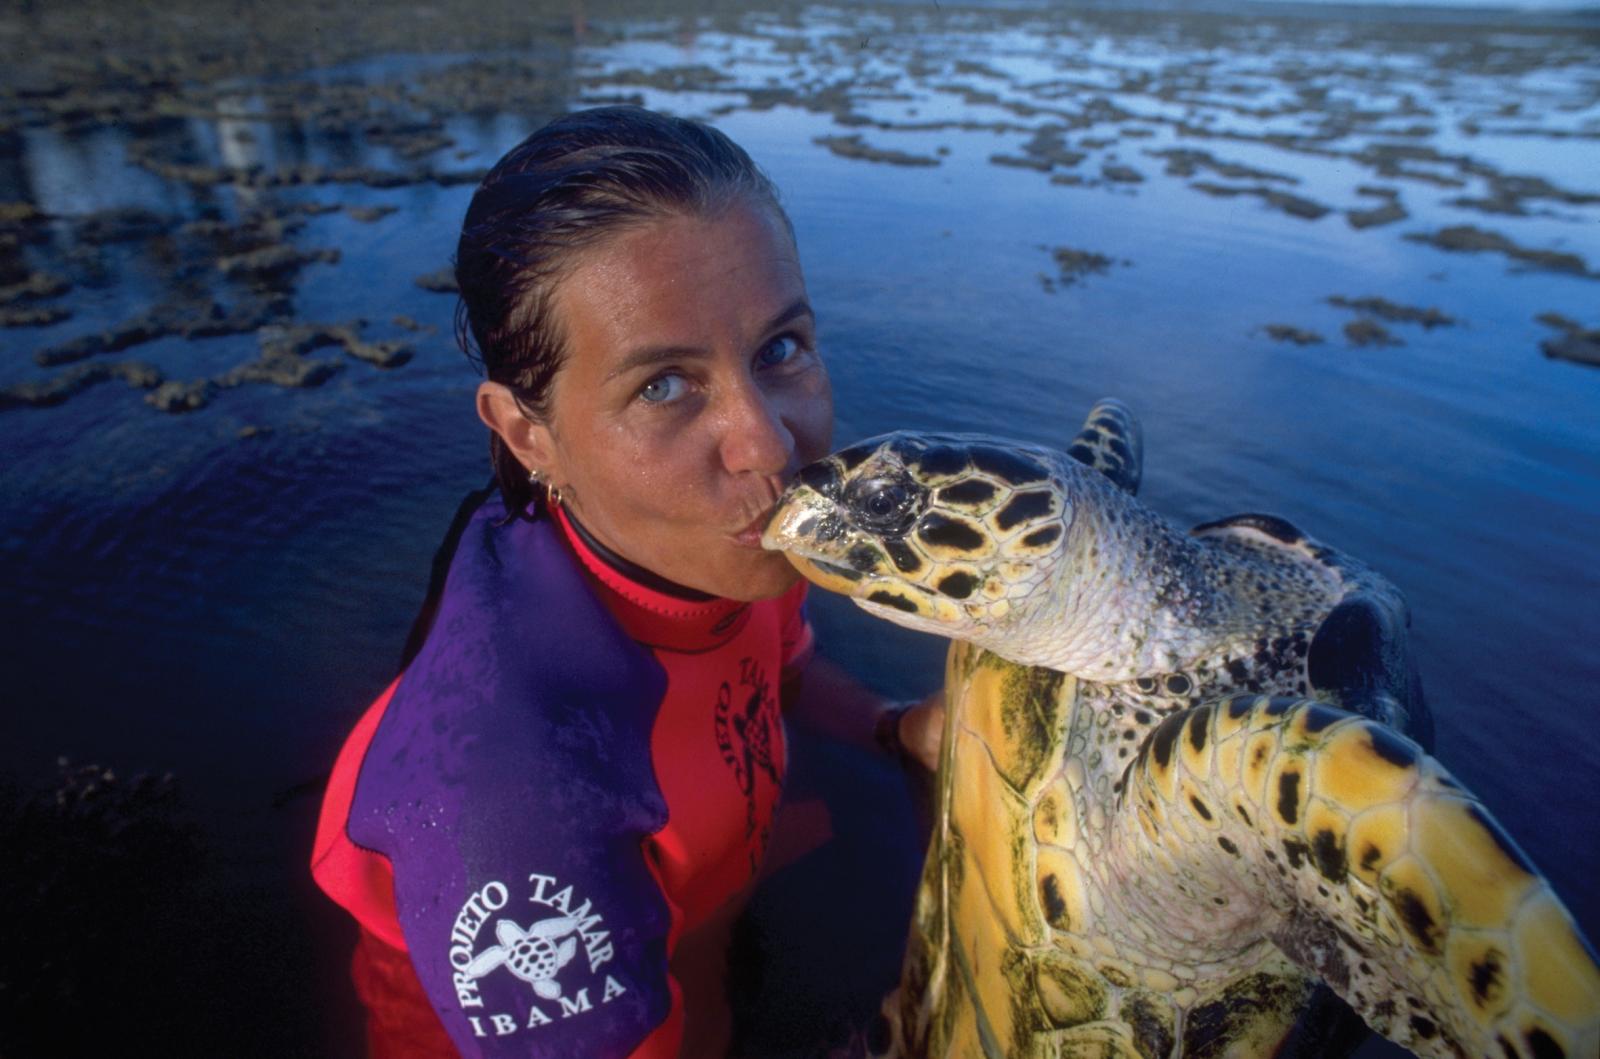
546	824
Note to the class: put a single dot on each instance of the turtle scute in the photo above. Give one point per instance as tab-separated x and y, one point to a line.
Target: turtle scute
1182	809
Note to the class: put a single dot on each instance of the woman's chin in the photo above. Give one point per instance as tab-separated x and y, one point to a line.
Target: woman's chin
755	575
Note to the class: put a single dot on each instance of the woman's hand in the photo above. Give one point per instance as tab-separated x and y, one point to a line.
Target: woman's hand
914	730
922	730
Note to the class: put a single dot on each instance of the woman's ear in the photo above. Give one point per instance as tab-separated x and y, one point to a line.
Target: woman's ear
530	441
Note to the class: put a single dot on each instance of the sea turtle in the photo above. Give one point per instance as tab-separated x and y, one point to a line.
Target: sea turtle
534	955
1174	794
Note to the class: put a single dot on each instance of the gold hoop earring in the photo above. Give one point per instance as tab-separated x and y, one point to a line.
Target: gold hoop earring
552	495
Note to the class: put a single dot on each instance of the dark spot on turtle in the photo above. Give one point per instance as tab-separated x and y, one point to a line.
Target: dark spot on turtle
1289	797
944	532
941	460
1323	890
1227	847
971	491
854	456
1129	733
1082	453
1238	706
1120	450
1423	1027
906	446
1393	749
1024	506
1008	465
1200	807
1485	975
1238	671
1278	707
1199	727
1329	854
1219	900
1142	716
1165	735
890	599
806	525
1243	815
1318	717
1041	537
1178	684
1152	1034
1501	839
958	585
1369	856
1384	1009
1364	968
822	477
863	557
1542	1045
1270	855
1055	906
1145	684
1505	1047
906	560
1416	918
1296	851
831	529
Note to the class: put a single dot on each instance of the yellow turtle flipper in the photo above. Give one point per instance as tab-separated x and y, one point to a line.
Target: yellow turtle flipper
1374	869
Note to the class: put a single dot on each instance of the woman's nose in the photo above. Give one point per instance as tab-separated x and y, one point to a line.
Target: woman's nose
756	438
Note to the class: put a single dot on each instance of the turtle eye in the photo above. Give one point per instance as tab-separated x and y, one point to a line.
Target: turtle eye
883	505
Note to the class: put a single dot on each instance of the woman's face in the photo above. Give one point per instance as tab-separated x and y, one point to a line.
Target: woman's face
691	393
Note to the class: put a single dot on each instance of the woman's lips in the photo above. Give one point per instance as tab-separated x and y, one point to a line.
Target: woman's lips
750	535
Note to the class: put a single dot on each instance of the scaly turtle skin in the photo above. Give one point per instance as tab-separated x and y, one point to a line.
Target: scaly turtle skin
1174	794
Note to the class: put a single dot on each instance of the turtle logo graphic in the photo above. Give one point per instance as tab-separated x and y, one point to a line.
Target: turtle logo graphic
534	955
745	733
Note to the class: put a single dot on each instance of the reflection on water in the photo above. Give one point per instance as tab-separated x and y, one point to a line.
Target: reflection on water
217	591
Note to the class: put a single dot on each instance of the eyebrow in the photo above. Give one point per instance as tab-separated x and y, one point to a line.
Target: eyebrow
651	355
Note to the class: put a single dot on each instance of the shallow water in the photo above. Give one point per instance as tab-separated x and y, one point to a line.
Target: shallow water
218	593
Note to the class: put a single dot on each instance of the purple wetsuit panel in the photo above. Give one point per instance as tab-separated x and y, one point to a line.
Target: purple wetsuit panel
510	785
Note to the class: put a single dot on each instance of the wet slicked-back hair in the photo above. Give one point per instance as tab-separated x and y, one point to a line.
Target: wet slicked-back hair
576	182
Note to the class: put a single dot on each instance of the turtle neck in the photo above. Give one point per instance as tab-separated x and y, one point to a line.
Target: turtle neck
651	609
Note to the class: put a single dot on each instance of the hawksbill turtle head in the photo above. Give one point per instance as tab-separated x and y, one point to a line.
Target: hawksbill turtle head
955	535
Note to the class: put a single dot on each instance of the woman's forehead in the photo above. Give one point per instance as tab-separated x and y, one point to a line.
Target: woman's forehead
682	280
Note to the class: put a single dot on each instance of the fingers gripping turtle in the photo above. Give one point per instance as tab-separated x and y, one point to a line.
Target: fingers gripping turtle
1326	835
1076	900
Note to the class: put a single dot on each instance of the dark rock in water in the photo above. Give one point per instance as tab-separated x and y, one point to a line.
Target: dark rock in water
1185	162
122	226
369	214
1293	205
273	262
63	385
37	285
443	280
1020	162
853	146
1388	213
1466	239
1365	332
33	316
1290	333
1388	310
1076	264
1122	174
382	354
177	396
278	369
1581	347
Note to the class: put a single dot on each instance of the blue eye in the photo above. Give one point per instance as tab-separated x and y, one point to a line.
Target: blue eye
778	351
663	388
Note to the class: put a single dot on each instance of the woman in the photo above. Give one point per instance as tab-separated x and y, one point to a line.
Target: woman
548	823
